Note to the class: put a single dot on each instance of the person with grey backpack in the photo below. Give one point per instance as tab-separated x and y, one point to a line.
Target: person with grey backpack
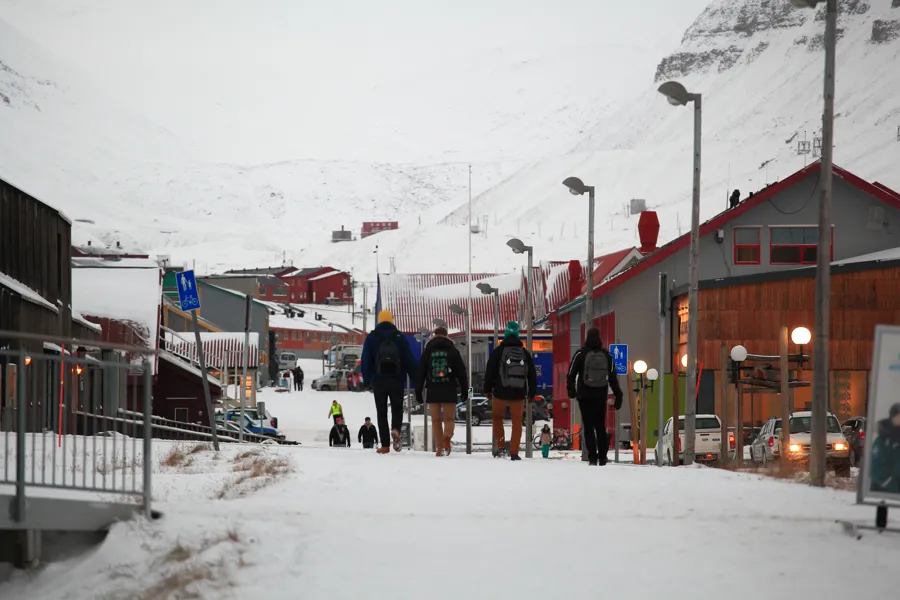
509	378
591	374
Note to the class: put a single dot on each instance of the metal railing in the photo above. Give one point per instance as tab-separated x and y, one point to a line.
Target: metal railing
59	423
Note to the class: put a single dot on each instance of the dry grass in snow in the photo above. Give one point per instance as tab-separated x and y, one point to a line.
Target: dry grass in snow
252	470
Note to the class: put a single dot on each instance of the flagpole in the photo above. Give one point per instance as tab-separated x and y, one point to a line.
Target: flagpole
469	329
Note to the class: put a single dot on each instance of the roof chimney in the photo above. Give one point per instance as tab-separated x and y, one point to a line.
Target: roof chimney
648	230
576	279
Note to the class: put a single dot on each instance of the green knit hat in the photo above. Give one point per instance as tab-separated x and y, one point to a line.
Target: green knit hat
512	329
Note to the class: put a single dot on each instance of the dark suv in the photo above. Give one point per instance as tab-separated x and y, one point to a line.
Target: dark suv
481	411
854	429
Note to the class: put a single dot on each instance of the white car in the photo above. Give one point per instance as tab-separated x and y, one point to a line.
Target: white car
707	440
767	445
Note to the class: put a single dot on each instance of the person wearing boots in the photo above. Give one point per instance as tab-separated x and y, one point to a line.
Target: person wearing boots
443	379
340	435
591	373
509	378
386	362
368	434
546	440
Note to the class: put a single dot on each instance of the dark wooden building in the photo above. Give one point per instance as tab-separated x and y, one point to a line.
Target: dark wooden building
178	392
35	265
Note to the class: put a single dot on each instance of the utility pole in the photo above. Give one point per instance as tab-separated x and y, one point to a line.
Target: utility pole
785	400
529	318
823	263
469	329
663	302
589	291
246	363
690	405
365	306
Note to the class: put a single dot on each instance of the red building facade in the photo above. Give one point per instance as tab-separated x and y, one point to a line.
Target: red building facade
314	285
373	227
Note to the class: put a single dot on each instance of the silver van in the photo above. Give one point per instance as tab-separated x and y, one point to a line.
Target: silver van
286	360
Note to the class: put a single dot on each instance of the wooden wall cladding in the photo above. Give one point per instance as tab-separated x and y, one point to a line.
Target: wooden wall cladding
752	315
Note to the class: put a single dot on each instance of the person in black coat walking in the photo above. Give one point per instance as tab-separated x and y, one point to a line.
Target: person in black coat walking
297	373
509	378
591	373
368	434
443	379
340	435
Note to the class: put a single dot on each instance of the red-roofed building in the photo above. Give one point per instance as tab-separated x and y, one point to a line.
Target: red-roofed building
373	227
771	231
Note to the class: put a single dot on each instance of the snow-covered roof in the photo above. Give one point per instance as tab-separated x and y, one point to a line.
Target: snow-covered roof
417	299
881	256
325	275
220	348
127	290
26	292
183	364
79	318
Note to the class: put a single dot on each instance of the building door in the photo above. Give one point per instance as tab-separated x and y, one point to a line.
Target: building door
181	415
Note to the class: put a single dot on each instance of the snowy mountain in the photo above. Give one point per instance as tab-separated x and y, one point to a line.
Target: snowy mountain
391	113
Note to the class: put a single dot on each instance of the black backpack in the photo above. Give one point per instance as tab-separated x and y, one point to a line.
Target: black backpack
596	369
513	370
439	371
387	361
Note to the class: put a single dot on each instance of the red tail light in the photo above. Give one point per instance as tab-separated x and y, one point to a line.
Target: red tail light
862	435
771	441
731	440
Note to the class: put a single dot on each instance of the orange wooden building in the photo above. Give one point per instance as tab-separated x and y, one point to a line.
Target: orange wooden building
750	310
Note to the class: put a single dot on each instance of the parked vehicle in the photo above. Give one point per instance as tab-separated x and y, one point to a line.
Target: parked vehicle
854	429
330	380
767	445
343	355
481	411
286	360
707	440
251	425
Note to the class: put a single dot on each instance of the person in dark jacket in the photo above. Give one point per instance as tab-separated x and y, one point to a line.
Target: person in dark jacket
340	435
297	372
592	373
886	454
386	361
443	379
509	378
368	434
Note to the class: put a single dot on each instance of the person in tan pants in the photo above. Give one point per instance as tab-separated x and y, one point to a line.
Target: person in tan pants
443	380
509	378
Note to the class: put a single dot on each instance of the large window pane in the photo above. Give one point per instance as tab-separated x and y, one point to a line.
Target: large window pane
794	235
746	236
786	254
746	254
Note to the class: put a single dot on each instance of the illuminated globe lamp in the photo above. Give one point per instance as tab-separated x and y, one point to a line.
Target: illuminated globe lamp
640	367
684	361
801	336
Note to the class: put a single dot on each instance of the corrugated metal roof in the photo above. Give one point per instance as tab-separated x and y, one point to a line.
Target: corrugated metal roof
402	294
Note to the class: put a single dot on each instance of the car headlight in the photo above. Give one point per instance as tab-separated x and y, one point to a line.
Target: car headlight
840	446
795	447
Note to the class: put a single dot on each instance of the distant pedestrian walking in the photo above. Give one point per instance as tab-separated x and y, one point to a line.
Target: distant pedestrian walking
340	435
368	434
546	440
443	379
591	373
336	411
509	378
386	361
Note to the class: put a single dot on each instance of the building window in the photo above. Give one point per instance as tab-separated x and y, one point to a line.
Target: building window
279	291
795	245
746	245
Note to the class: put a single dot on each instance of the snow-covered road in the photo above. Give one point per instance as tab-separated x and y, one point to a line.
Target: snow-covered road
347	523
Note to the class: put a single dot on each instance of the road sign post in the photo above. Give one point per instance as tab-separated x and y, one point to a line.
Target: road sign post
620	361
189	298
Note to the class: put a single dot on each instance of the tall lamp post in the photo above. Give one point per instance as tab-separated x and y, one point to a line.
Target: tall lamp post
640	367
421	337
677	95
488	290
738	355
459	310
519	247
578	188
818	425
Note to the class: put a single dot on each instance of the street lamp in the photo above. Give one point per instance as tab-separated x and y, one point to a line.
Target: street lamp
456	309
578	188
519	247
738	356
677	95
439	323
801	337
684	360
640	367
488	290
818	425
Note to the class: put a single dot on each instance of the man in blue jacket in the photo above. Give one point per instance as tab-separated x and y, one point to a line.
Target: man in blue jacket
386	361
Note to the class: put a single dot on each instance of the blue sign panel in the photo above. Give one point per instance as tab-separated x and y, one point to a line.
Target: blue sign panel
620	357
187	291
